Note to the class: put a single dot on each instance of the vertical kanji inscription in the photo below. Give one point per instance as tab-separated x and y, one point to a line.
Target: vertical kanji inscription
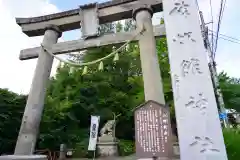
181	38
206	144
190	66
180	7
200	103
176	83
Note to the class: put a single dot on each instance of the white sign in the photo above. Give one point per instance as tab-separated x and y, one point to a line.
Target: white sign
93	133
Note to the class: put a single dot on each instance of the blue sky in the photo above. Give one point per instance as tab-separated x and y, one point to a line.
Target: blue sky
17	75
70	4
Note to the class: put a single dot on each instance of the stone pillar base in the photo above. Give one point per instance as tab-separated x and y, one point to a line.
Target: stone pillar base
176	150
107	146
23	157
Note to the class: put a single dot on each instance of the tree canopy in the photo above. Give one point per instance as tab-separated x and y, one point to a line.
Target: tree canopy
230	88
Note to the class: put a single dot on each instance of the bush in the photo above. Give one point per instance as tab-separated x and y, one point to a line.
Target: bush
81	150
232	142
126	147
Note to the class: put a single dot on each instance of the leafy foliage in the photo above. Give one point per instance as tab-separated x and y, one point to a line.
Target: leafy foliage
232	141
11	111
230	88
126	147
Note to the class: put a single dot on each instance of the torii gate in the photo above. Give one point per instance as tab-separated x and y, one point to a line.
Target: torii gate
199	129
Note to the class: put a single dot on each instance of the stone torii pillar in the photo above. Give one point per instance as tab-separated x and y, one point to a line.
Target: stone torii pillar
153	89
33	111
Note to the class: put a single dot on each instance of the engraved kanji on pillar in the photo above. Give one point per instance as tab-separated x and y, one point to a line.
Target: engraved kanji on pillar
199	131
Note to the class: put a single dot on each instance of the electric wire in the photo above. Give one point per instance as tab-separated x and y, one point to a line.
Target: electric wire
197	5
233	38
221	10
212	26
228	39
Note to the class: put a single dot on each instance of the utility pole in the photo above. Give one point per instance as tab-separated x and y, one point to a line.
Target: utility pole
213	70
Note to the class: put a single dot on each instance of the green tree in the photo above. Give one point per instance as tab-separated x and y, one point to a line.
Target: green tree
230	88
11	111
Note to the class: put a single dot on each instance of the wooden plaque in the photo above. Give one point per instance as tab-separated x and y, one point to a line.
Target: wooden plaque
153	131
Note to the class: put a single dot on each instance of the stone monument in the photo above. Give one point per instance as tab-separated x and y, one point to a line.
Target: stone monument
107	145
153	133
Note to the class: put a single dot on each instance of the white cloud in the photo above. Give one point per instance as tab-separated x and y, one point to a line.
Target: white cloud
15	74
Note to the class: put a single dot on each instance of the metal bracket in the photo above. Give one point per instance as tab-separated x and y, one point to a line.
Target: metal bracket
89	20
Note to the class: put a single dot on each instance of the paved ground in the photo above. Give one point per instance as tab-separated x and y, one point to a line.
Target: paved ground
132	157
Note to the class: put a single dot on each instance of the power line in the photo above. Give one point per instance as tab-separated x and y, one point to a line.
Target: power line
228	40
226	36
219	21
222	7
197	5
212	23
230	37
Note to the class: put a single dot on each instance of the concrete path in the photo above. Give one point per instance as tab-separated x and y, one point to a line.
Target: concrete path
132	157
